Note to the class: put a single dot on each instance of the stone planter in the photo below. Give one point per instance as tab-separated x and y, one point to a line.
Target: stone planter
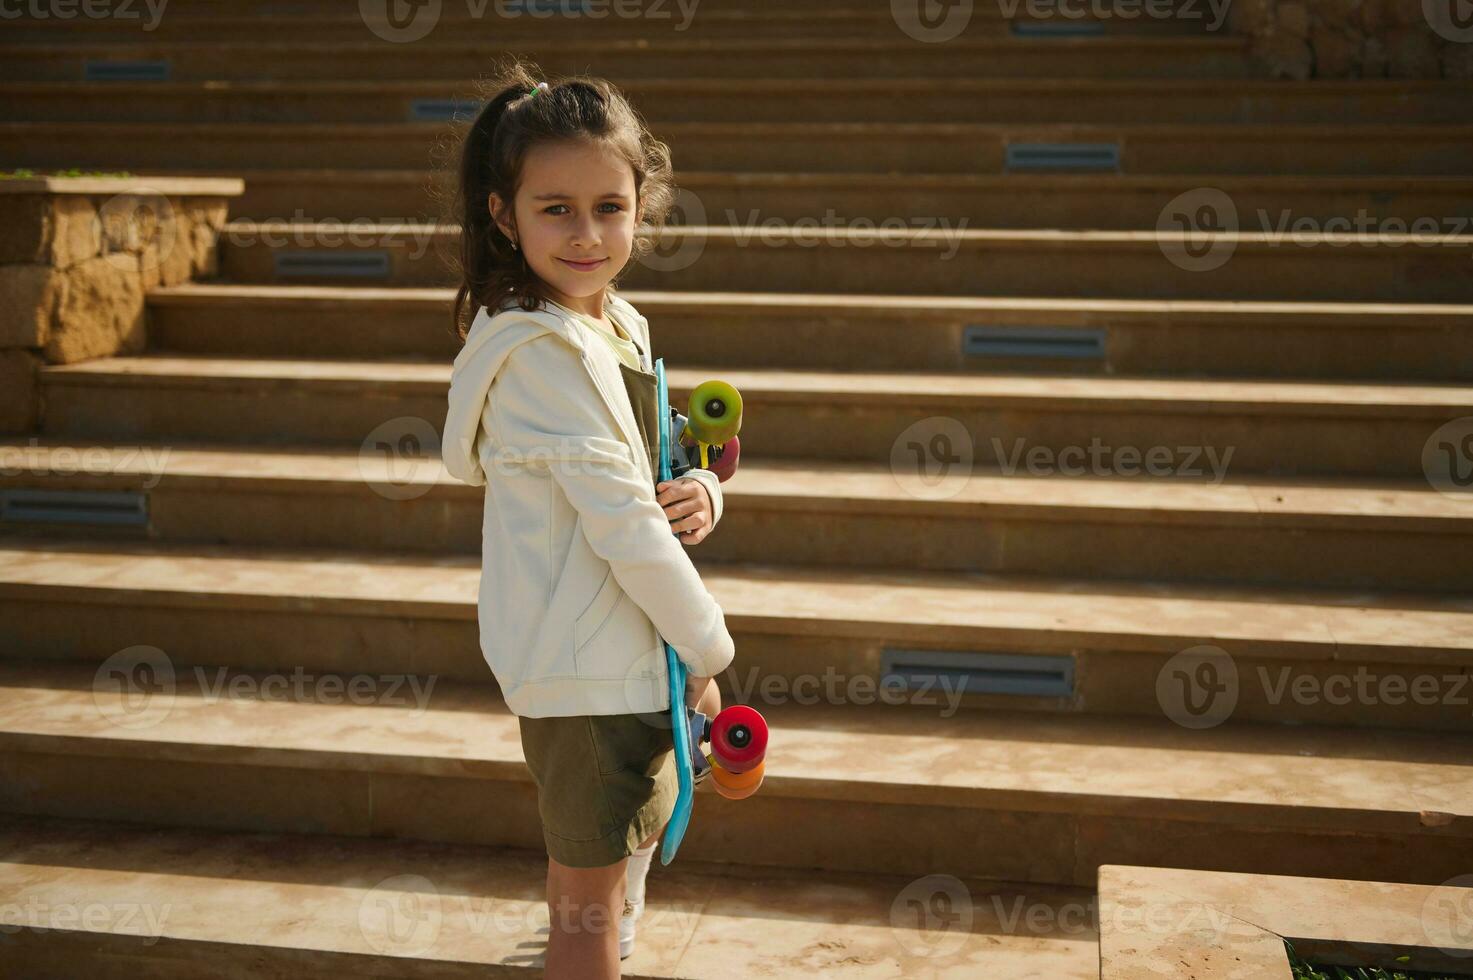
77	255
1356	38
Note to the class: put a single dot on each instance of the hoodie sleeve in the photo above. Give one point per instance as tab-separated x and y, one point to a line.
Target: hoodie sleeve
546	410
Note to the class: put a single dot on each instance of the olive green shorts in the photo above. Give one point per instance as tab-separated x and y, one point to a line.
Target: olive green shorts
604	784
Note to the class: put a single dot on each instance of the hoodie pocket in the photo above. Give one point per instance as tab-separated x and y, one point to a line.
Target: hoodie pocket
598	612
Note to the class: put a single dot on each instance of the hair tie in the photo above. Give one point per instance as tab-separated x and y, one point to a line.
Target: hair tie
539	87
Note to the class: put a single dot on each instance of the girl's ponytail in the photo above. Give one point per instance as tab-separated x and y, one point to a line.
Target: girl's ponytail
485	252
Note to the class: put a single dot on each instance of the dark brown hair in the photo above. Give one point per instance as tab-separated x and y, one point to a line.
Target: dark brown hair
492	152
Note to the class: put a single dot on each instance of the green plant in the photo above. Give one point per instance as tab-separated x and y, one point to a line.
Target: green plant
22	173
1309	971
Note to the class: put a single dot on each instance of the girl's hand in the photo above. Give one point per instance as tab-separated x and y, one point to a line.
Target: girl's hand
687	507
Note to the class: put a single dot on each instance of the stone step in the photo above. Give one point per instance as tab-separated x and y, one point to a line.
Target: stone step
935	254
830	100
1114	56
817	331
951	147
558	12
1022	797
1267	425
1057	646
1303	532
661	22
181	903
1100	201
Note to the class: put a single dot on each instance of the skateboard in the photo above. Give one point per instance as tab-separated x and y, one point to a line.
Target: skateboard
738	734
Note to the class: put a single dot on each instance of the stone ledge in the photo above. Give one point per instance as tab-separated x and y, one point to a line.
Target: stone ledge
77	255
1210	925
166	185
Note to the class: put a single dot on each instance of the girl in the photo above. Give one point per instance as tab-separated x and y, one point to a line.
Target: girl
552	408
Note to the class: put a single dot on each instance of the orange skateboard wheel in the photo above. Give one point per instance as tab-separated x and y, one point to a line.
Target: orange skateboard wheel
735	785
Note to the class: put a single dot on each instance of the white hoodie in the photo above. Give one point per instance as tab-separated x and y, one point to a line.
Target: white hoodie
581	575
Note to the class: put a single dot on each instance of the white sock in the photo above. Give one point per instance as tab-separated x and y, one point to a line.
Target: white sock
638	867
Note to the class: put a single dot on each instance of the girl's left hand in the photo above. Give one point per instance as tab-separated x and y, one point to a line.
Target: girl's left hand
688	508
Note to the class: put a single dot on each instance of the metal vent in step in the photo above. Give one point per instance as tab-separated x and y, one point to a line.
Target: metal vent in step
566	8
444	110
1022	675
127	71
73	507
1057	28
1063	156
1010	341
322	264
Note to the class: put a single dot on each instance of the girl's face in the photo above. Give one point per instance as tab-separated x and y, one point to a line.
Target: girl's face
574	219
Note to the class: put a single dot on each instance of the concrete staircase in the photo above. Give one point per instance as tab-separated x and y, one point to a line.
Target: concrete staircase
224	503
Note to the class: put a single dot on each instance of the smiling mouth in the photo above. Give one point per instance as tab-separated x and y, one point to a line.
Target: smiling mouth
584	266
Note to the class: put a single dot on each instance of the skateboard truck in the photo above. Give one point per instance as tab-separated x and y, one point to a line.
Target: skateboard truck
700	731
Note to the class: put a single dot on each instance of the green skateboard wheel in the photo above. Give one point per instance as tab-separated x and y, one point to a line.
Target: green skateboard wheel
715	412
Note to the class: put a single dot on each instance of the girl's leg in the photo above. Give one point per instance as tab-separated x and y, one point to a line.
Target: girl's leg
584	906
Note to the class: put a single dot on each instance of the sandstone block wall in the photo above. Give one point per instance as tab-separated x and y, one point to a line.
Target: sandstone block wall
77	256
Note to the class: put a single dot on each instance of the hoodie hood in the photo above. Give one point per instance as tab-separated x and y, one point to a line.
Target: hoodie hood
489	342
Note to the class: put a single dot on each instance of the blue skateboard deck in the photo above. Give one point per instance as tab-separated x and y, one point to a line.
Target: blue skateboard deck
679	722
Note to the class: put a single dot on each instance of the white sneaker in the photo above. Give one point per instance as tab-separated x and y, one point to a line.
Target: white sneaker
632	912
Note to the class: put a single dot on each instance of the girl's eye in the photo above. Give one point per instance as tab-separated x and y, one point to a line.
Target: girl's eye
609	204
